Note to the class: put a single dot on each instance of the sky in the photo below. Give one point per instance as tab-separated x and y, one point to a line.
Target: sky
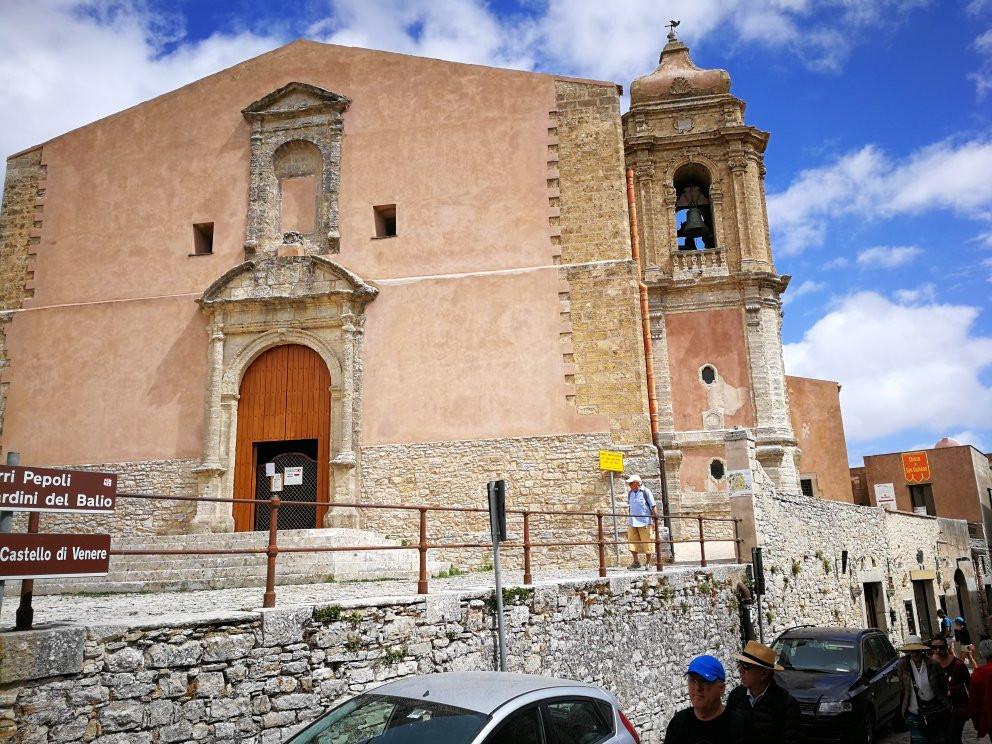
879	179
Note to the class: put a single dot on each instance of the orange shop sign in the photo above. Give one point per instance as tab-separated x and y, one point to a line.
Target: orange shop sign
916	467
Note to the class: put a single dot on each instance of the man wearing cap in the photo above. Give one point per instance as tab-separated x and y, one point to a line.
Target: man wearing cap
708	721
774	713
640	503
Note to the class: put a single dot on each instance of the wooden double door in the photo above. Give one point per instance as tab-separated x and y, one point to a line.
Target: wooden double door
285	400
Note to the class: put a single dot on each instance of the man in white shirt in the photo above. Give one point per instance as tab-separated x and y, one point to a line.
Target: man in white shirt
640	503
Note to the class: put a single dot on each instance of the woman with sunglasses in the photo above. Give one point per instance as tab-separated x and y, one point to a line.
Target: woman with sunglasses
958	680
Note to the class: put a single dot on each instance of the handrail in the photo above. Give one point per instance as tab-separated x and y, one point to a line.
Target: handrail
423	545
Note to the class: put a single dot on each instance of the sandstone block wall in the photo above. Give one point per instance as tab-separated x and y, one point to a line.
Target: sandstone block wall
20	223
252	677
133	516
549	474
600	310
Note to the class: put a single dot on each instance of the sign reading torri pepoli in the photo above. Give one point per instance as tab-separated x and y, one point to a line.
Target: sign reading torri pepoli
45	489
916	467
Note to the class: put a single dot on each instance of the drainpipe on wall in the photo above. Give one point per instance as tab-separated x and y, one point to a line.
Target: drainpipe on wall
635	247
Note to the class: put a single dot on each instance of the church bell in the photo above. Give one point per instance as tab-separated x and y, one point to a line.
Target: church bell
694	226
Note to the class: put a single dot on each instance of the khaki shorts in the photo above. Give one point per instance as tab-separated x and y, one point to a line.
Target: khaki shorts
640	539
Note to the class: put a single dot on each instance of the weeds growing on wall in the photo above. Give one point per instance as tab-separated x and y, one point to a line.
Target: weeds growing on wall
329	614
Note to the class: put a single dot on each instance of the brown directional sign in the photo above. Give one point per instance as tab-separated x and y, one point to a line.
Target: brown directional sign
45	489
31	556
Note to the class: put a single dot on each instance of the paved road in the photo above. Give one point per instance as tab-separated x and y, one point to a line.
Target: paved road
903	738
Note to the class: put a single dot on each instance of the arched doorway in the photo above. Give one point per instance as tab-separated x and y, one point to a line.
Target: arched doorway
284	408
961	588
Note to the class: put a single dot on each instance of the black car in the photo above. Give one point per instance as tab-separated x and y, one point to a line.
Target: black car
844	680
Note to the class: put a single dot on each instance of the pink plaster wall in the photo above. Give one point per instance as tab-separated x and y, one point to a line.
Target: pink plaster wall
814	407
461	150
713	337
694	471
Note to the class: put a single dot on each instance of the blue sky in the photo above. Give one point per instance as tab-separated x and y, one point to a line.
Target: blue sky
879	167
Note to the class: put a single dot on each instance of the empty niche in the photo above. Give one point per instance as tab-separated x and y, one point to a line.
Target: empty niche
717	469
203	239
385	220
297	165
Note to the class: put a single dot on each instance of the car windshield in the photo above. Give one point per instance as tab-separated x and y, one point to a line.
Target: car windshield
382	719
817	655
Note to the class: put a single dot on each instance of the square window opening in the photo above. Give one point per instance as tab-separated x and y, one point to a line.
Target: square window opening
203	239
385	220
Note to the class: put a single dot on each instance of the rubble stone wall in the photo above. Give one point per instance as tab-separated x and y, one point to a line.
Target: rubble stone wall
253	677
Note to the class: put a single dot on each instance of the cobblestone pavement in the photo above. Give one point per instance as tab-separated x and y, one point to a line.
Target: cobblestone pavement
141	608
890	737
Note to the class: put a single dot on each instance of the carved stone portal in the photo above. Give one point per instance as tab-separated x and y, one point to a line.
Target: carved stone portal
307	300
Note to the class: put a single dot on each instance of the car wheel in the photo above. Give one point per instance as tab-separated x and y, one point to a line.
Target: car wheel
868	737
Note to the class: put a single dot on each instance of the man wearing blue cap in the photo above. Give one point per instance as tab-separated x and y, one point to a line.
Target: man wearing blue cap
708	721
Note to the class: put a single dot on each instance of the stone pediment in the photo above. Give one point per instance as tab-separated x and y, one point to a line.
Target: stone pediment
287	278
296	99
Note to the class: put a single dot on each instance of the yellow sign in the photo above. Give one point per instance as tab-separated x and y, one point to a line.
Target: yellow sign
611	461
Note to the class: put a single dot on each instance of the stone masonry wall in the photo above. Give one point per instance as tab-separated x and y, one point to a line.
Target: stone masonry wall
133	516
600	310
252	677
543	473
20	221
803	541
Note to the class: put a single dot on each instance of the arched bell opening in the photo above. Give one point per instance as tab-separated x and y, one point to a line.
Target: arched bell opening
693	211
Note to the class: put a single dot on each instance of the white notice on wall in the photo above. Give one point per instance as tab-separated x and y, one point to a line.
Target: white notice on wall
293	476
885	496
270	469
276	483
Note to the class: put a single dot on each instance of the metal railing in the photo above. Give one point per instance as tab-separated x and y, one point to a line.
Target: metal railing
423	545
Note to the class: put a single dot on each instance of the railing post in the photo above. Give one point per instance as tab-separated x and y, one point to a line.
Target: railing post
270	572
528	579
422	548
737	540
24	617
602	543
702	543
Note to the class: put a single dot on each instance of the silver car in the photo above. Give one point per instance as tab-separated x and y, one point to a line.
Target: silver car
475	707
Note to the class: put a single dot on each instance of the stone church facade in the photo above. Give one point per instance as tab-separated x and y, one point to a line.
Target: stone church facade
417	275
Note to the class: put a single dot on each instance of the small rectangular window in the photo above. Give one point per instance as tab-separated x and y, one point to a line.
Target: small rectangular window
921	497
203	239
806	484
385	220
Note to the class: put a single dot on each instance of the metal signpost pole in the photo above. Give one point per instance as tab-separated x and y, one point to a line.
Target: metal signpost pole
7	518
616	534
494	523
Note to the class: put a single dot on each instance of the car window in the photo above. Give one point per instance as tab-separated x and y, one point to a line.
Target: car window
869	654
883	650
817	654
521	727
579	721
393	720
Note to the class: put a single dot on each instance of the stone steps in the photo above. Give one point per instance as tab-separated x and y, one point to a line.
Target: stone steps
171	572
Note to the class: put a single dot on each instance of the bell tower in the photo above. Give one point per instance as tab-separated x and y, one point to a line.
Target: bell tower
714	294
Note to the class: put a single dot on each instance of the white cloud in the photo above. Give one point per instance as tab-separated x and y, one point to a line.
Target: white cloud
63	65
923	293
807	287
888	256
900	366
969	437
952	175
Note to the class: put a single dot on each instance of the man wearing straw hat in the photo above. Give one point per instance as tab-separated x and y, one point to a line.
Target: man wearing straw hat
774	713
640	503
925	704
